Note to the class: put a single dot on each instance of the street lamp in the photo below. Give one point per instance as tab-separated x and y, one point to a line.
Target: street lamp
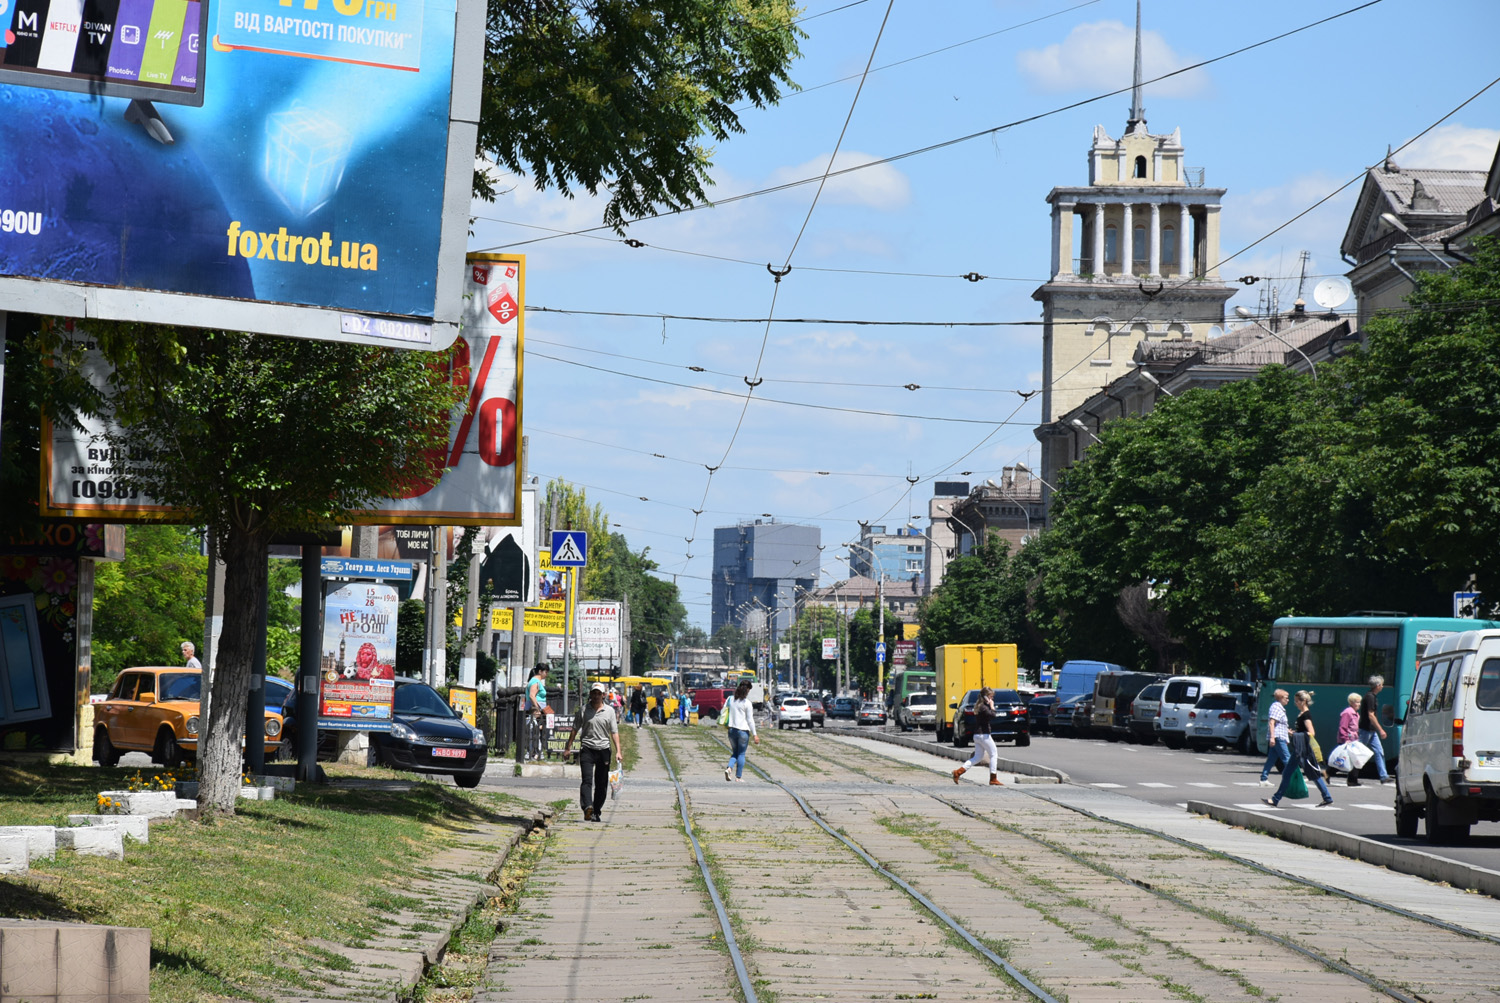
1244	312
880	612
1078	423
1025	509
1033	473
1394	222
1151	379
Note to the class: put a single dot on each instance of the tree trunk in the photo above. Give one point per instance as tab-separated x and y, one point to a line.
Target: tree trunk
220	755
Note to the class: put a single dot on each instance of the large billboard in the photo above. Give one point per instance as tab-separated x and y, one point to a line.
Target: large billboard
83	476
285	169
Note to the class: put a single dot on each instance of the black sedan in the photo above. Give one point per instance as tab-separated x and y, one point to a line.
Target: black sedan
1010	722
1064	712
428	736
1039	711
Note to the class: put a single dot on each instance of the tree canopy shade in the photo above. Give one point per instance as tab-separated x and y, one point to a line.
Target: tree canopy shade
148	604
256	436
621	95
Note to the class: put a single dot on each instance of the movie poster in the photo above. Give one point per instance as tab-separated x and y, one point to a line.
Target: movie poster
358	671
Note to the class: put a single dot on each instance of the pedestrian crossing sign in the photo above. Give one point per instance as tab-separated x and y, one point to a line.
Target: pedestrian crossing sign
570	548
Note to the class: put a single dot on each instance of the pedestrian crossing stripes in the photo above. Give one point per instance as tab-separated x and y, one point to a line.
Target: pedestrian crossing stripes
1151	784
1203	783
1106	785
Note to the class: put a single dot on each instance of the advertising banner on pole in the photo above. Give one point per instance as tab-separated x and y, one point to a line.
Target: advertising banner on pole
85	477
301	171
830	648
598	626
358	675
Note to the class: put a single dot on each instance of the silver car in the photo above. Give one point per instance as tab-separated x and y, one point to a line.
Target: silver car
1143	714
1220	719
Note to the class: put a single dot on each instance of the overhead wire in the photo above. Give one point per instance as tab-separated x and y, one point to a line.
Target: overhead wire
968	137
772	319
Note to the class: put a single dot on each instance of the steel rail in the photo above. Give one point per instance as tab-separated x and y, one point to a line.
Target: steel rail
1246	927
747	986
932	907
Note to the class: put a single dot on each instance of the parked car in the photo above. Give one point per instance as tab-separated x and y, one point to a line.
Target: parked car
1113	692
1221	719
1180	696
1009	724
1060	717
844	707
1083	717
1039	712
871	712
428	736
1449	765
918	710
154	709
791	712
815	708
1143	714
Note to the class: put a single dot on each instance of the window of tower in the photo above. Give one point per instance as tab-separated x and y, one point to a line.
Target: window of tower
1169	245
1140	167
1111	245
1138	246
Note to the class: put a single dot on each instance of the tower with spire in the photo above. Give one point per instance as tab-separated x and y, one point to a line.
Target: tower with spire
1135	256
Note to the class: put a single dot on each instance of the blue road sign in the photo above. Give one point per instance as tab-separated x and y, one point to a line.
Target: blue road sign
570	548
354	567
880	652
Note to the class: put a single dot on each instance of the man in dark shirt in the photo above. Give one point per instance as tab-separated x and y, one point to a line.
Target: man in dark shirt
1370	731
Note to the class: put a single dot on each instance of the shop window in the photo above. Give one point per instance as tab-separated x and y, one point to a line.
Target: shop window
23	679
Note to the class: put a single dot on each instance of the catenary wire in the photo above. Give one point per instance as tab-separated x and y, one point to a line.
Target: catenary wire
944	144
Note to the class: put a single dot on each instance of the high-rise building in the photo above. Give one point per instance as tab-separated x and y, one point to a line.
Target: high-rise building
942	545
759	566
1146	231
896	556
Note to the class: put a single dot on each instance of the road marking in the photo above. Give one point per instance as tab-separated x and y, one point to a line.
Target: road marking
1257	806
1157	785
1320	807
1205	759
1204	783
1183	805
1373	807
1247	783
1106	785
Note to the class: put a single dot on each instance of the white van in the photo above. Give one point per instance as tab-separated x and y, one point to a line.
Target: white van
1449	768
1179	696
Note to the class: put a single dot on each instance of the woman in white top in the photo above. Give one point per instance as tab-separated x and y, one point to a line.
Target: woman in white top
739	714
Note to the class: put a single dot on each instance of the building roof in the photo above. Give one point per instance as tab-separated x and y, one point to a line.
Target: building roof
1426	199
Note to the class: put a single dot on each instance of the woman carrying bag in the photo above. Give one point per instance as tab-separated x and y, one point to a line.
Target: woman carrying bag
1304	765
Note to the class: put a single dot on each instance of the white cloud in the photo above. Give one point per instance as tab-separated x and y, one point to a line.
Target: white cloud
1452	147
1101	56
880	187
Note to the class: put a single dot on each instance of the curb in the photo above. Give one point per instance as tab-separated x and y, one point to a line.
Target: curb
388	974
949	752
1401	859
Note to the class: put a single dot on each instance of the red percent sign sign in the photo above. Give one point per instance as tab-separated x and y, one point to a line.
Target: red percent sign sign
497	415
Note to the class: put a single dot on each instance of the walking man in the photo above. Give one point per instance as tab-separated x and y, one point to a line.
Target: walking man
638	706
1370	731
190	660
1280	741
600	728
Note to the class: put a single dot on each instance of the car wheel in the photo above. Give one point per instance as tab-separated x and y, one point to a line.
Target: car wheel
1023	740
104	750
1171	742
1406	818
167	752
1111	737
1245	744
469	780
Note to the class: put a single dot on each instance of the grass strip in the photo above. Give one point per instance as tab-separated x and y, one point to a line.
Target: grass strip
233	904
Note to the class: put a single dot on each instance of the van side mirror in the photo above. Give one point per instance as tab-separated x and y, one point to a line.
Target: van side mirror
953	706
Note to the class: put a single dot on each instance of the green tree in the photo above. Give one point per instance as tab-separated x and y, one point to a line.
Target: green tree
259	436
148	604
813	623
619	95
863	633
983	599
283	619
411	636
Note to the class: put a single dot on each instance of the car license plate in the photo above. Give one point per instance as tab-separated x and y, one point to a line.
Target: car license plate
449	753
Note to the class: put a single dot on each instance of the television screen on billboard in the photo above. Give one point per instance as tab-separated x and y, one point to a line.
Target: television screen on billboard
308	172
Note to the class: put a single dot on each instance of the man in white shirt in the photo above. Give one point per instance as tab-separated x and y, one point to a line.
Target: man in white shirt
189	659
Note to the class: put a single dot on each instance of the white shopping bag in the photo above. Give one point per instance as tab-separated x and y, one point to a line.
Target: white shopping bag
1338	758
1359	754
615	776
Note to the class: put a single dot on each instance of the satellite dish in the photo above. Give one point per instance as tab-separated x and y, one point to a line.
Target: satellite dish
1214	331
1332	293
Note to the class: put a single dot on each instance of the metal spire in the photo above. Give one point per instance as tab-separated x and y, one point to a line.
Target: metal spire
1137	113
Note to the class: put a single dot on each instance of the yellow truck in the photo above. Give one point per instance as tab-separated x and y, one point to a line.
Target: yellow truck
964	667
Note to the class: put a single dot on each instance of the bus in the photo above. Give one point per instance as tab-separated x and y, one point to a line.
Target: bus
1331	657
904	682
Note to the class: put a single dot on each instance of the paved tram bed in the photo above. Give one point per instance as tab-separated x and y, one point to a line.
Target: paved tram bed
1086	908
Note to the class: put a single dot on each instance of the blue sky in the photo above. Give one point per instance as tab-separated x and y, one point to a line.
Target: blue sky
1280	127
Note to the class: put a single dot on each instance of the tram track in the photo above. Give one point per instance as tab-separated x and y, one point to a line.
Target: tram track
1467	941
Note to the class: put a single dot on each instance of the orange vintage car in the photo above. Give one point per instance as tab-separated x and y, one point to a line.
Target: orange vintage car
155	709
